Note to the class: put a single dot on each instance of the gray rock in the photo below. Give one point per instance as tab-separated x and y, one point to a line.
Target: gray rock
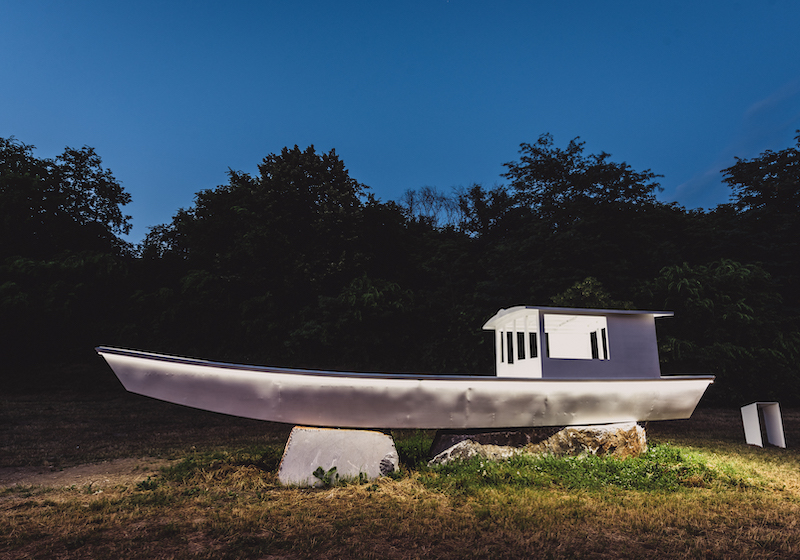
446	439
466	449
617	440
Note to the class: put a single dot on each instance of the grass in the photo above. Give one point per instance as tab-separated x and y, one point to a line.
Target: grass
663	468
699	492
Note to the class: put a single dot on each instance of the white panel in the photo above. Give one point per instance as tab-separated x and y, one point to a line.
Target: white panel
773	424
752	427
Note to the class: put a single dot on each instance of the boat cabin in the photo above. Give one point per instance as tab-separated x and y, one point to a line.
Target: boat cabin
564	343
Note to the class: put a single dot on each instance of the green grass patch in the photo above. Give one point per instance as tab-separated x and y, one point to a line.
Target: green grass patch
413	447
662	468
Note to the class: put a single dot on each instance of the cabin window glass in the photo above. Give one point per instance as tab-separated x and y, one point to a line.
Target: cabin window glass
582	337
595	346
510	341
534	346
502	349
520	345
605	343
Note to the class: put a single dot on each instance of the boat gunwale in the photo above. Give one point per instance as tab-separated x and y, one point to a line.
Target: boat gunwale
377	375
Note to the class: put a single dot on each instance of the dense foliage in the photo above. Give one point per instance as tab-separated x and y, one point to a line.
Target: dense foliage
299	265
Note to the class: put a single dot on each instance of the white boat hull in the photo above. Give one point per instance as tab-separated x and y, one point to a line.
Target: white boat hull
351	400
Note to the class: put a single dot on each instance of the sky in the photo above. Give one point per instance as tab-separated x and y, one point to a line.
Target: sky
439	93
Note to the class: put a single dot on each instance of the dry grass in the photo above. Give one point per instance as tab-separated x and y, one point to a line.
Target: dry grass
394	519
223	501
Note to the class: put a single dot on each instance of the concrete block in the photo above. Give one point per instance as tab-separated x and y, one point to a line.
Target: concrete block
353	453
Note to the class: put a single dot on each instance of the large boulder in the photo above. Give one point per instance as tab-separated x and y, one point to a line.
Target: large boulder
616	440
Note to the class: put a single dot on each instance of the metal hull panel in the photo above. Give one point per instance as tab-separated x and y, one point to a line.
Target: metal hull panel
349	400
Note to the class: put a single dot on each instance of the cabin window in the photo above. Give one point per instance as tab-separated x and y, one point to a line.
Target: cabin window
518	341
582	337
605	343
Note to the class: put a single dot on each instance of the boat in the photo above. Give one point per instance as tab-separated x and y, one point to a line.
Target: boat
554	367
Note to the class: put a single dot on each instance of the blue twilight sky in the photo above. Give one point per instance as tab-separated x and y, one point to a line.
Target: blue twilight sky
411	93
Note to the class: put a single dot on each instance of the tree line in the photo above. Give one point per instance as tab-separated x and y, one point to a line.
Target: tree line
300	265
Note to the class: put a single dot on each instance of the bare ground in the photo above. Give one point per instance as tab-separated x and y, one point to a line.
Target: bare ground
117	472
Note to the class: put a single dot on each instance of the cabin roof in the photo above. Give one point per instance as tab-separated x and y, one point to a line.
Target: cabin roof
502	316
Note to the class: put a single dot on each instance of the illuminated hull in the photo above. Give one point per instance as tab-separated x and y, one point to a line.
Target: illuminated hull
356	400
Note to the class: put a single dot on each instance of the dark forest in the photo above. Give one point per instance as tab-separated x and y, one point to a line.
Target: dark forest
299	265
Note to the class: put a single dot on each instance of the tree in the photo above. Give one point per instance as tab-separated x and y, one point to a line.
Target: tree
367	326
250	255
587	216
484	212
68	204
63	268
60	309
589	293
766	196
292	223
431	206
768	185
562	185
728	321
